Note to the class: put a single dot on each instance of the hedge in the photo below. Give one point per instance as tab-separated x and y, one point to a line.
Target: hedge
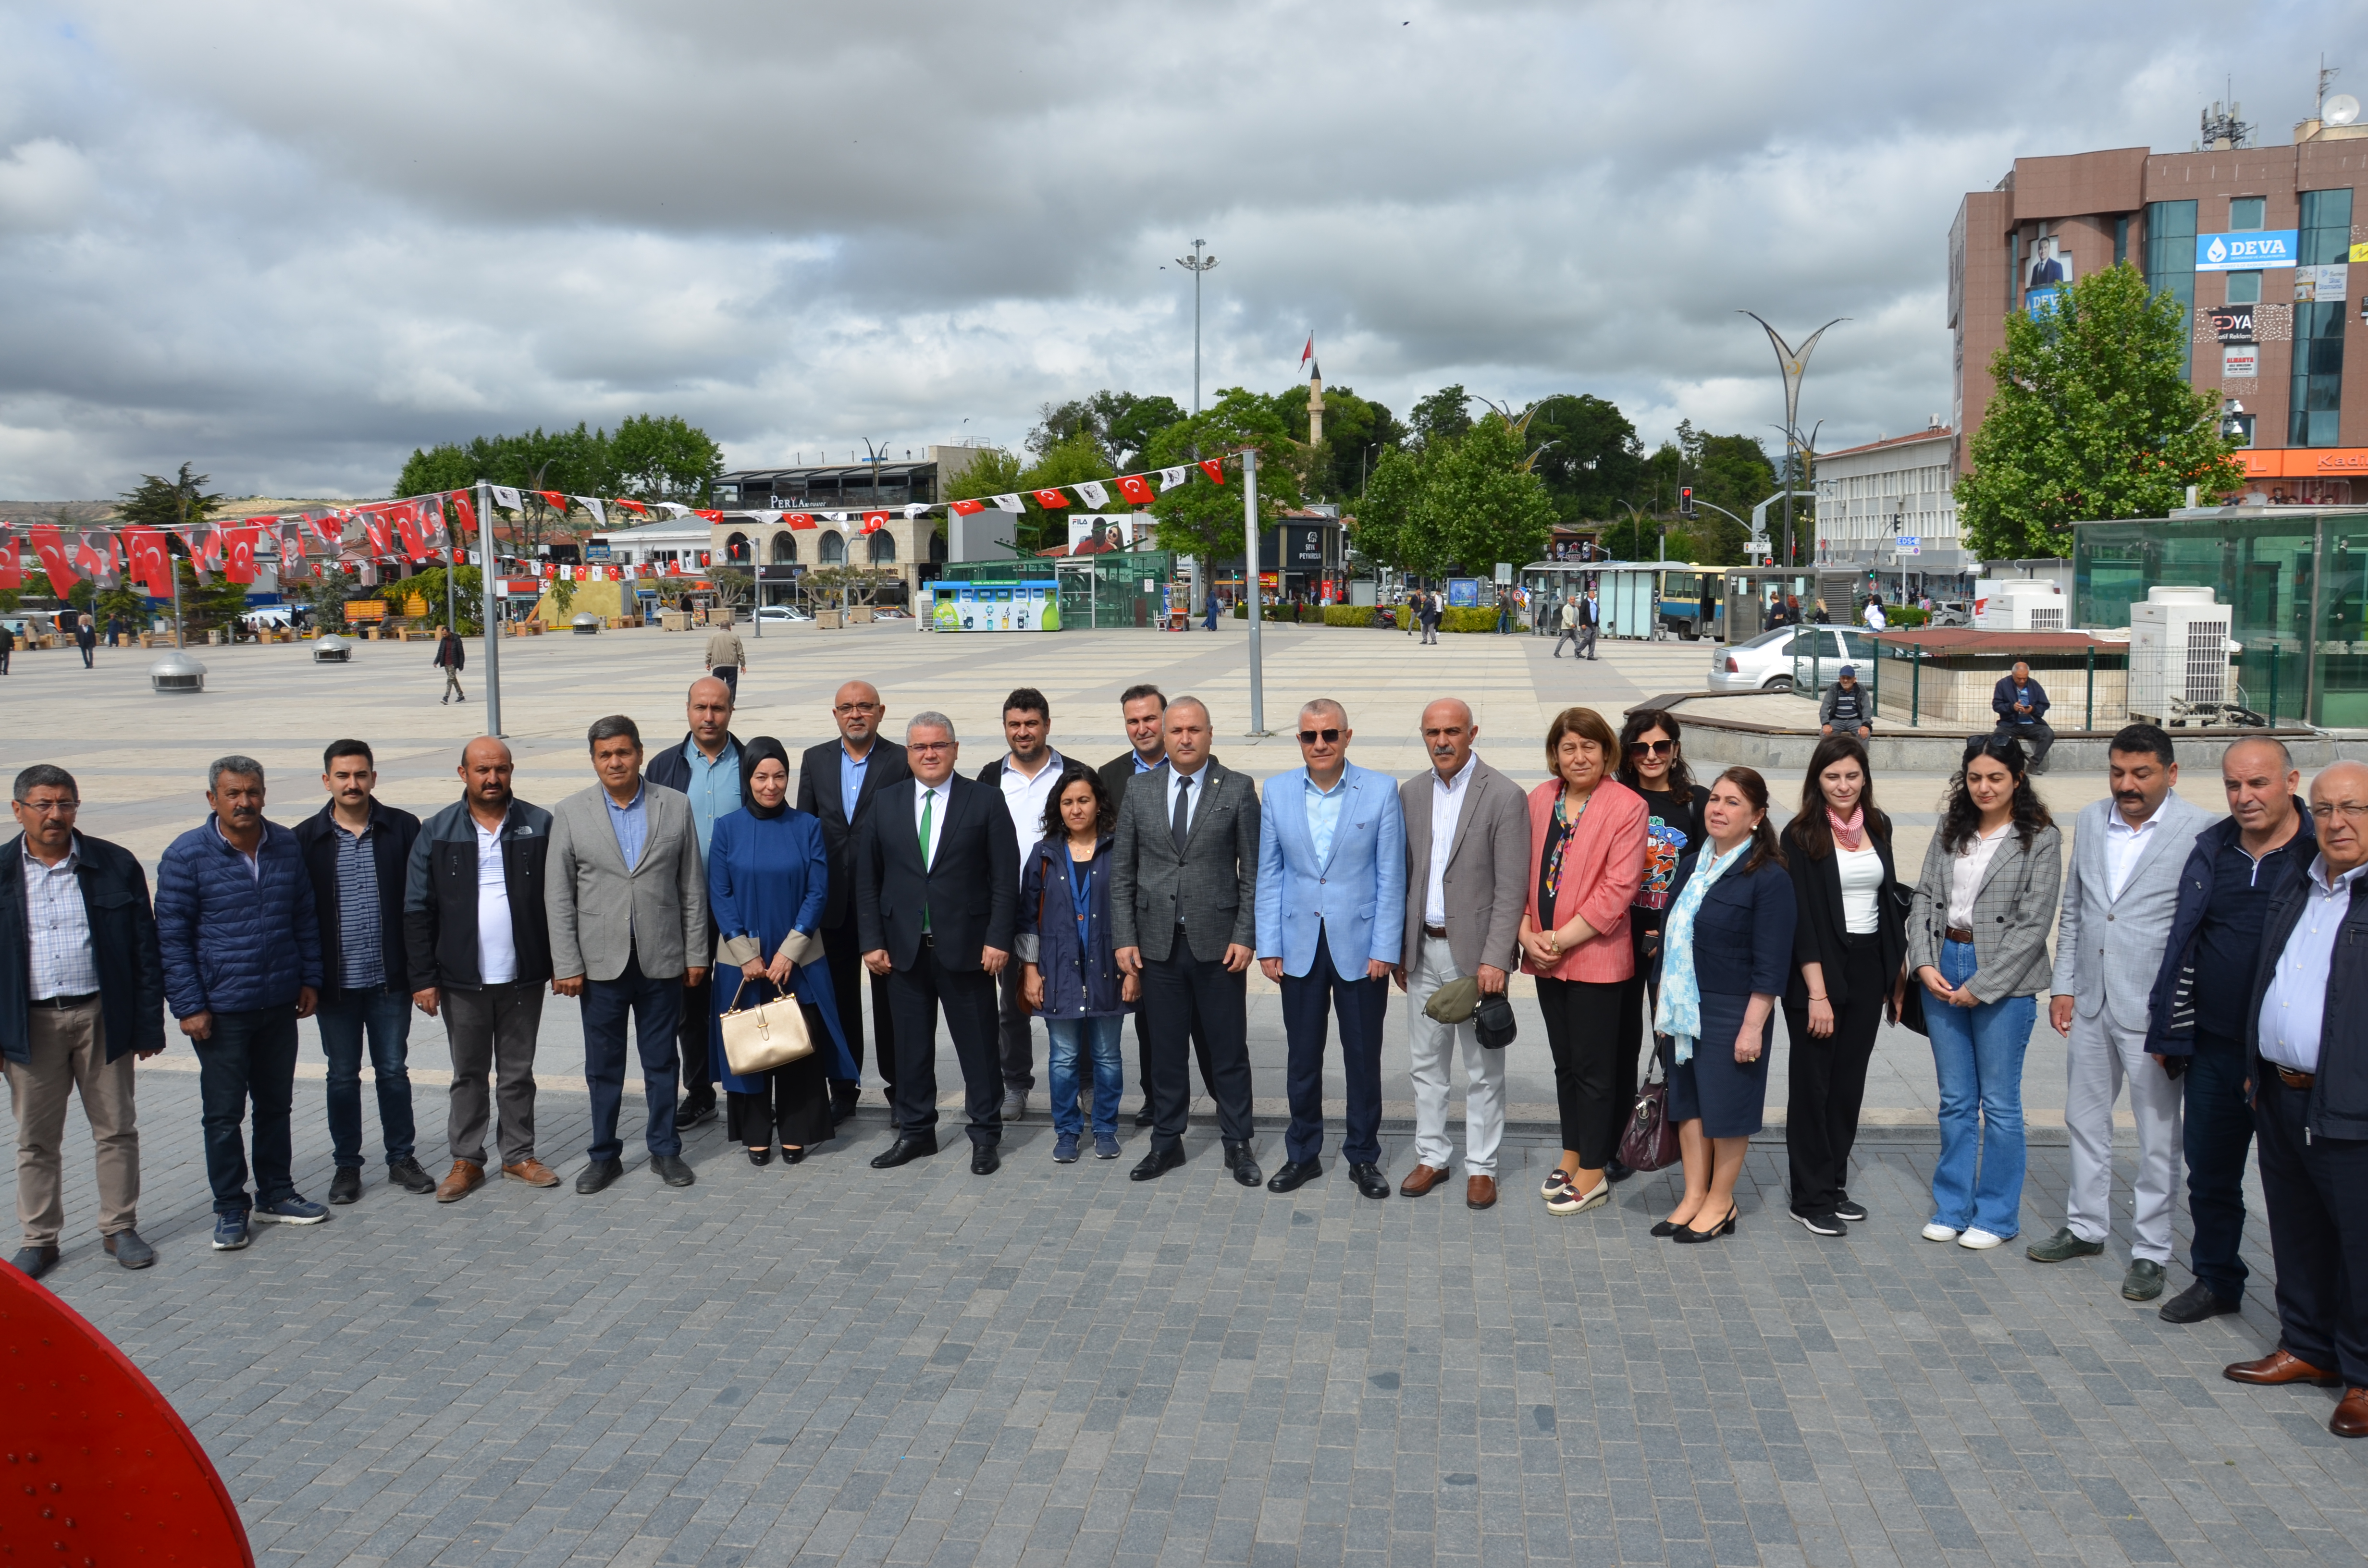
1348	615
1479	619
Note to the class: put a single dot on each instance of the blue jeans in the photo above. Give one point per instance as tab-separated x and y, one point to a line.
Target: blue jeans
1977	1055
1069	1037
385	1016
249	1058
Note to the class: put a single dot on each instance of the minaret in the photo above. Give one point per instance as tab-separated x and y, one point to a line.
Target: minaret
1316	405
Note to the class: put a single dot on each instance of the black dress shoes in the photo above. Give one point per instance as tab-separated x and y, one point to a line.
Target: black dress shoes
2195	1304
670	1170
1143	1118
1294	1174
694	1110
1157	1163
983	1160
1245	1168
1614	1171
1369	1180
599	1175
904	1152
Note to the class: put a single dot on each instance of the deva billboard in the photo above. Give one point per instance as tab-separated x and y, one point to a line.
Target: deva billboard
2247	252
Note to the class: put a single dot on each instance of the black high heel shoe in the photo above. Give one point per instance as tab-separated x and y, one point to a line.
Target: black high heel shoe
763	1156
793	1157
1667	1228
1685	1233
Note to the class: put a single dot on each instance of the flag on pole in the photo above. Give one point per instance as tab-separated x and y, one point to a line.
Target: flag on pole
1309	352
1136	488
1216	469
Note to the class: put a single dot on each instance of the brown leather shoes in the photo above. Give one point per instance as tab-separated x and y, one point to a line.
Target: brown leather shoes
463	1178
1480	1192
1421	1179
532	1172
2277	1366
2351	1419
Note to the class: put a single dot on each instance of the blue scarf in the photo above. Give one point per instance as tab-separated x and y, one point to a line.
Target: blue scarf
1678	1013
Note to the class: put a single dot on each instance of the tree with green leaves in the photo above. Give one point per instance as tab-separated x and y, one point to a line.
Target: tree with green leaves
664	458
1589	456
1120	423
178	503
1202	519
2093	417
1481	503
468	594
1385	527
1355	432
1441	419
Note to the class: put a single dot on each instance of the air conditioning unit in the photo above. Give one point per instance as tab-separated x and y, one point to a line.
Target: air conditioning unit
2018	604
2179	655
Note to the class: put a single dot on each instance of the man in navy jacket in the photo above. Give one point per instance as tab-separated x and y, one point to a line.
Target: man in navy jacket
241	943
2020	704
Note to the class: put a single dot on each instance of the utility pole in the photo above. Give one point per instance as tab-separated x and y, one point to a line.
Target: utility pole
1196	264
1250	587
493	627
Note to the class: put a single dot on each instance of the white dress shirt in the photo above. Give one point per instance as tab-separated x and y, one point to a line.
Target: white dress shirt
2293	1008
1025	798
1446	810
922	796
57	926
1966	876
2124	845
497	939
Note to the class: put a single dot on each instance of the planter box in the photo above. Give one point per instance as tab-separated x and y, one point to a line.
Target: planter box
674	620
830	619
860	615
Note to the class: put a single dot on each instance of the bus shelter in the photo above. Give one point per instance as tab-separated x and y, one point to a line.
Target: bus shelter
1748	589
1639	598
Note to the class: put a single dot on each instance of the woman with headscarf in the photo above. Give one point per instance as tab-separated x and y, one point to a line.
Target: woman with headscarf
767	879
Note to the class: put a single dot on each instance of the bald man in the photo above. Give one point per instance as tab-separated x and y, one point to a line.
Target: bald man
836	783
478	947
705	767
2306	1038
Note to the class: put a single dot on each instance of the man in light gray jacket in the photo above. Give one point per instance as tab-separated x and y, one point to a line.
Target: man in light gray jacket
2119	896
627	898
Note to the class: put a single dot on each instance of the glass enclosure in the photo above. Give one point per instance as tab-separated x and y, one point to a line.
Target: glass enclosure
2297	581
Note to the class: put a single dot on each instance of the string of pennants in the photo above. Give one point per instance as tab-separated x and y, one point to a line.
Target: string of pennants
1133	488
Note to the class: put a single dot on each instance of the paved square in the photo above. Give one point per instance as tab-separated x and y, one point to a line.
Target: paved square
1056	1365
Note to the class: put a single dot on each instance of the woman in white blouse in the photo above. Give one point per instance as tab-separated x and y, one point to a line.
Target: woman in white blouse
1977	943
1850	947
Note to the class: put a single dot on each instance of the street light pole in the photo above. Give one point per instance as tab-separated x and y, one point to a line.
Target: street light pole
1250	587
493	627
1196	264
1791	363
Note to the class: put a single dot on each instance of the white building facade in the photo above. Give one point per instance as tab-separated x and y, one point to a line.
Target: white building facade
1889	506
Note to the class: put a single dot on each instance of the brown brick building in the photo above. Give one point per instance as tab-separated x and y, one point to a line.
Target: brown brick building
2268	247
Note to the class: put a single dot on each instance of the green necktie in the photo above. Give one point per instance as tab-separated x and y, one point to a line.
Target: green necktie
929	809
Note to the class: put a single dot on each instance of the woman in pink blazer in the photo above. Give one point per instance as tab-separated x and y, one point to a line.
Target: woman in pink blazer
1587	843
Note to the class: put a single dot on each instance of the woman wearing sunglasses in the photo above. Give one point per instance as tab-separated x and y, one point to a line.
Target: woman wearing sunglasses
1653	763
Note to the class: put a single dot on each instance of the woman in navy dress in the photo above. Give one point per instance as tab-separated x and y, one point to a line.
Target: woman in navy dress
1725	952
767	878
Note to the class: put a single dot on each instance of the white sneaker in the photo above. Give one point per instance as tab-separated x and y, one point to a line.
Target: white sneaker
1937	1232
1980	1239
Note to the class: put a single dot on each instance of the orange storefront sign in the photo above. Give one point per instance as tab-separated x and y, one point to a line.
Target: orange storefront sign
2304	462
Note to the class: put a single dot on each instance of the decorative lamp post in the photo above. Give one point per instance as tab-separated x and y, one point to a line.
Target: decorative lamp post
1791	363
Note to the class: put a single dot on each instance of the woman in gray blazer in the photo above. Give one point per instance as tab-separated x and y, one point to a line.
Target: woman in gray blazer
1977	942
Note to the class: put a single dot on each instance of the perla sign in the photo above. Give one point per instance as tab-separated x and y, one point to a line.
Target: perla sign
2247	252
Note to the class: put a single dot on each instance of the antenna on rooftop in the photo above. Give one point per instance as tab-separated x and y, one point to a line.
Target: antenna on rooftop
2224	127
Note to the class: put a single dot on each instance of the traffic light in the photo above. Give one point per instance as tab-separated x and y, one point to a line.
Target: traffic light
1686	501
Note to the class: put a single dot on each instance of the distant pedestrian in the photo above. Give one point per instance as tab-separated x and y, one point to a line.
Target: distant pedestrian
1209	603
85	638
1875	620
725	657
115	632
451	657
1432	611
2020	704
1591	625
1569	627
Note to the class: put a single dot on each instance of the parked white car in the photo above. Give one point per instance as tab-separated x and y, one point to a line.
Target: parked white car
1766	661
782	613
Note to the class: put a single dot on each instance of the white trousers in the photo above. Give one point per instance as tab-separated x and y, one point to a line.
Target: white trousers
1432	1045
2100	1056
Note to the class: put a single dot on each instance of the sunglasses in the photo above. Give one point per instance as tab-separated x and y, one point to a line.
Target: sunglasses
1651	748
1309	737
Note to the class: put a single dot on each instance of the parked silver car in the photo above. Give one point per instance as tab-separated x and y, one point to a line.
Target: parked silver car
1765	663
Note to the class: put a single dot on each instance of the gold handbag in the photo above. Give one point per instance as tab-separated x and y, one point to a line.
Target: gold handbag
768	1035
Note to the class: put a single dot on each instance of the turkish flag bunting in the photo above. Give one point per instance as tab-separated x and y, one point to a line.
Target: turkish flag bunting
381	529
55	561
407	530
196	546
592	505
1216	469
467	510
964	508
239	563
798	519
96	559
1008	503
329	527
1095	495
1051	498
632	506
291	552
12	565
708	513
874	521
1136	487
1170	478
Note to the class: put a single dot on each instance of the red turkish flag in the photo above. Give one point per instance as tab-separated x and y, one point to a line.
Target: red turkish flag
1215	468
94	558
557	498
55	557
1136	488
874	521
238	558
630	506
467	510
964	508
1051	498
709	514
795	520
380	528
408	530
12	566
152	563
329	527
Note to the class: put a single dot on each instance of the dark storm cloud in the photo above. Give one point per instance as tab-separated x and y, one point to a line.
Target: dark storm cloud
294	241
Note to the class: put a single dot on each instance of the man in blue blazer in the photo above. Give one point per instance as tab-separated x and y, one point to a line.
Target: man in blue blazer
1331	919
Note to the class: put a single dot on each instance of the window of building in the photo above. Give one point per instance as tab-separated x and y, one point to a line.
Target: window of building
883	547
2121	239
735	547
2244	211
2316	405
2171	261
785	548
2244	287
834	550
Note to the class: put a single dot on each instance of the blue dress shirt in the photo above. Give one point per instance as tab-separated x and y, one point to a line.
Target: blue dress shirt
850	777
1324	812
2293	1009
631	822
715	788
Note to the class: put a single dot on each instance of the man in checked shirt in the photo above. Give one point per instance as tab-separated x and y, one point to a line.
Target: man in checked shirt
82	992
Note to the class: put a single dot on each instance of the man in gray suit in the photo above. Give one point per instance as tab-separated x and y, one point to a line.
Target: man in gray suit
1467	847
627	900
1184	916
2119	898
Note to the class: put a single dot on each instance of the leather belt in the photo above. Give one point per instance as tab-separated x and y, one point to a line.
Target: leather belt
1436	933
1960	934
2292	1079
61	1003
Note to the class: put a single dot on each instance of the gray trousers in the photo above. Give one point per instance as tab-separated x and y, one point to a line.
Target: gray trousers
2099	1057
1431	1048
492	1028
67	1052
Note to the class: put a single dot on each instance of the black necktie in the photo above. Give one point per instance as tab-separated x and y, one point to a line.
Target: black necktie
1181	828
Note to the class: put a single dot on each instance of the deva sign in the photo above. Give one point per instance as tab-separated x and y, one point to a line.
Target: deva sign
2246	251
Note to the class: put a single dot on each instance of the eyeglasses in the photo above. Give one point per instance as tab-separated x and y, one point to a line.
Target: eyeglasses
51	807
1651	748
929	745
1309	737
856	708
2354	810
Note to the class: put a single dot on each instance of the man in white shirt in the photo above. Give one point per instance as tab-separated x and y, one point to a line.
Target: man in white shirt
2309	1048
2120	893
1026	774
477	941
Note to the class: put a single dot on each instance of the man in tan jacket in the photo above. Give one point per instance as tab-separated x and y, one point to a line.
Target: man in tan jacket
725	657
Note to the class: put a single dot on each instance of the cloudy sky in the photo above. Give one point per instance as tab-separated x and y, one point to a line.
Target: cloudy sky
290	242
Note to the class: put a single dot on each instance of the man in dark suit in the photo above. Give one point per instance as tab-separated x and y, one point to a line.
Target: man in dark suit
837	782
937	901
1184	915
1144	709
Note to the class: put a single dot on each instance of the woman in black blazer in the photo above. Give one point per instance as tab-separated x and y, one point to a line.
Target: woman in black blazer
1728	947
1850	968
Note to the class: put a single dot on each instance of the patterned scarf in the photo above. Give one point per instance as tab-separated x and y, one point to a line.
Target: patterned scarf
1850	832
1566	829
1678	1013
